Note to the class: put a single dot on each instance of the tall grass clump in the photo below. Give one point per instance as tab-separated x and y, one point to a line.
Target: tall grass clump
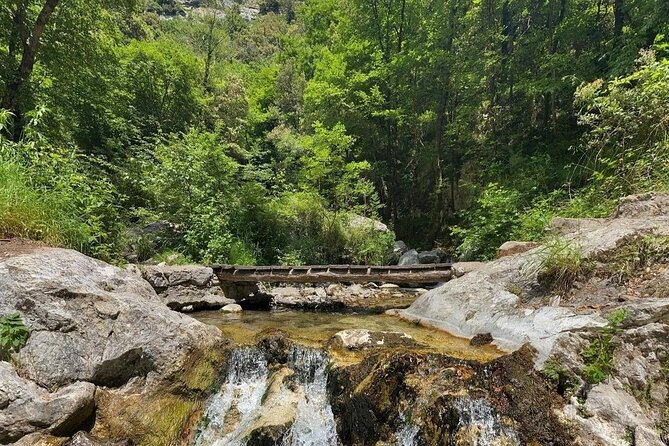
30	211
559	264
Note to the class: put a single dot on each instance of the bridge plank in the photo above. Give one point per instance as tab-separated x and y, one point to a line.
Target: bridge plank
334	273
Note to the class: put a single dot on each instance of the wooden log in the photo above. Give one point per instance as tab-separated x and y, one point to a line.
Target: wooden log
334	273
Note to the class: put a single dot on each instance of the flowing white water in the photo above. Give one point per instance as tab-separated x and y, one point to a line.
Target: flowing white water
243	390
491	430
239	403
314	422
406	436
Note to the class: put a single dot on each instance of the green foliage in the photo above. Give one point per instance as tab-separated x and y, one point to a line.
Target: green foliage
627	143
490	223
28	212
559	265
563	379
13	335
257	138
598	356
53	195
533	221
170	257
366	245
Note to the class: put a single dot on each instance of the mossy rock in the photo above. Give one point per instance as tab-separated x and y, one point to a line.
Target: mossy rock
373	399
169	413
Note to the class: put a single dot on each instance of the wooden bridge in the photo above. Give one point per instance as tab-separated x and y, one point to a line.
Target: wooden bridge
413	274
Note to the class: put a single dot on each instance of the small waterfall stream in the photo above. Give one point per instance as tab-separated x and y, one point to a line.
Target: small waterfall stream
406	435
314	422
241	401
242	393
490	430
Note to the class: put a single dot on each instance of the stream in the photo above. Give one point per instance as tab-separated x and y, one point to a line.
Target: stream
263	401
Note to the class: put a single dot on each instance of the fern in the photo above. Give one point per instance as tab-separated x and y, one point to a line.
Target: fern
13	335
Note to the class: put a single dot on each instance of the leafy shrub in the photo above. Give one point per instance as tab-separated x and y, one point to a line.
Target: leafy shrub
13	335
532	222
490	223
587	203
598	356
626	146
57	196
170	257
366	245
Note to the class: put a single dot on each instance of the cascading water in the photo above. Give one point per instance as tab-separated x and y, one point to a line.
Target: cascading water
406	436
239	398
314	421
477	412
240	402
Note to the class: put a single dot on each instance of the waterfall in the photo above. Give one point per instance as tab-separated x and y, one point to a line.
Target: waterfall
490	429
406	435
240	398
240	402
314	421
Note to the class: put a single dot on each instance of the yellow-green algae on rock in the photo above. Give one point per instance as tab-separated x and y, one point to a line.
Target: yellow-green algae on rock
167	415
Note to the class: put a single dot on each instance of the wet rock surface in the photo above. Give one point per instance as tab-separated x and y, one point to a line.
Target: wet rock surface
362	339
620	398
85	439
450	401
481	339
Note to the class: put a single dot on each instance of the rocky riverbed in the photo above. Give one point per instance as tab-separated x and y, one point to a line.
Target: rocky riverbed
189	288
586	314
602	333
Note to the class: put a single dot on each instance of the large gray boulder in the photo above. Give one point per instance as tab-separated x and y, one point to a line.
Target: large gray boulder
93	322
182	287
498	297
613	416
409	258
394	255
180	297
427	257
483	301
359	221
26	407
650	204
161	277
503	297
511	248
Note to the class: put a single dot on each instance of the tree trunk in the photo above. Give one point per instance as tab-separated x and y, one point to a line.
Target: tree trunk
10	100
18	33
438	211
619	17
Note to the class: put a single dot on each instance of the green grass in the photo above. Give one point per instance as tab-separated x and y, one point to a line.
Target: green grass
560	264
38	214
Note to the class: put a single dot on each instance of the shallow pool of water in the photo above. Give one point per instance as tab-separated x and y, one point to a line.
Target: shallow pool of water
316	328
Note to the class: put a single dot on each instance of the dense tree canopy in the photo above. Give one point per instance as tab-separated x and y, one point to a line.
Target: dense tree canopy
258	132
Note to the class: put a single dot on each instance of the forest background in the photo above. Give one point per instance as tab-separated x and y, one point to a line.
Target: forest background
257	132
